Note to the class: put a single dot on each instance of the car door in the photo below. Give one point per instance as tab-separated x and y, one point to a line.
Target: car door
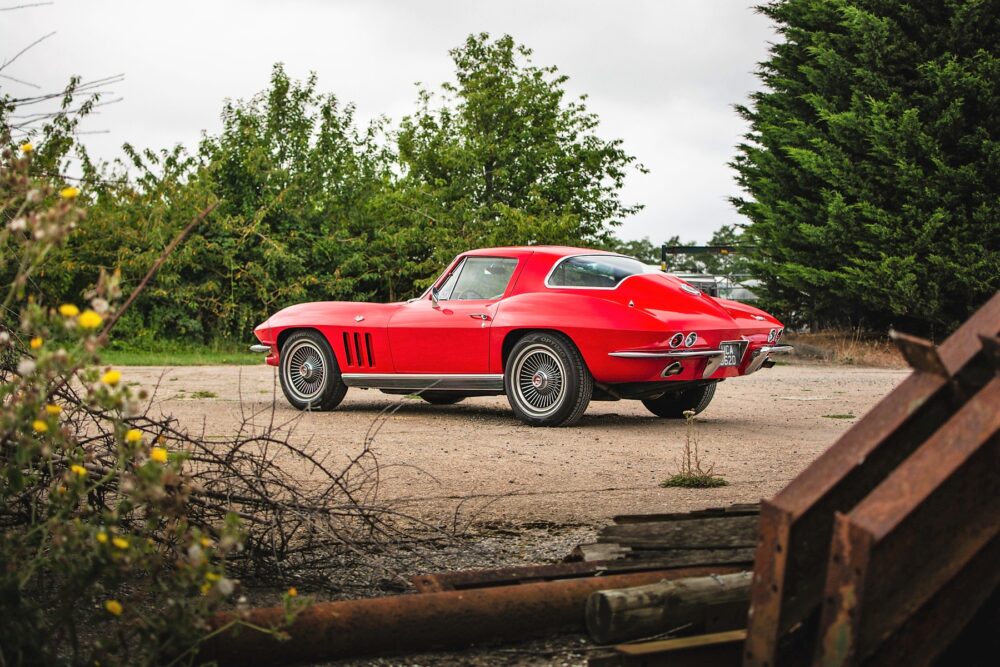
451	335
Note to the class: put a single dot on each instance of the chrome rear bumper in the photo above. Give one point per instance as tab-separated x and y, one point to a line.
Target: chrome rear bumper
715	357
760	355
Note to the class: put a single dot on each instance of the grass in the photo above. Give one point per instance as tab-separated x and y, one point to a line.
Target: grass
167	354
849	348
691	481
691	475
201	393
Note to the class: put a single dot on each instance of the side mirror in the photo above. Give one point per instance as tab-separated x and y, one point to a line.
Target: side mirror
434	297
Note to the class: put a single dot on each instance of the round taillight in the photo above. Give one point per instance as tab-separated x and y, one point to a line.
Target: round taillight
772	335
676	339
691	339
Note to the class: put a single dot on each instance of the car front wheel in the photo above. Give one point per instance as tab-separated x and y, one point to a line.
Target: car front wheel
547	381
673	404
310	377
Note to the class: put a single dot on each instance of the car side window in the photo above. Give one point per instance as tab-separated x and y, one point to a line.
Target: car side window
479	278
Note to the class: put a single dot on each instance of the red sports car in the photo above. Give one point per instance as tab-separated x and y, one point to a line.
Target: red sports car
551	327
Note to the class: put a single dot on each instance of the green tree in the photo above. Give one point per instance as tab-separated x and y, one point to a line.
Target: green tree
872	166
502	157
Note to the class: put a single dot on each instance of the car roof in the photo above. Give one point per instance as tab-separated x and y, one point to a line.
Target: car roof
553	250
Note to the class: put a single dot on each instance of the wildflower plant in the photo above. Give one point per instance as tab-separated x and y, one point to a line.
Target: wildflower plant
94	508
692	474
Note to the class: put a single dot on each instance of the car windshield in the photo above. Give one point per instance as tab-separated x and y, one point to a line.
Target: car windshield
594	271
478	278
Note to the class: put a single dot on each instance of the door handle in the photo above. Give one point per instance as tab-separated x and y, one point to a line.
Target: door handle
480	316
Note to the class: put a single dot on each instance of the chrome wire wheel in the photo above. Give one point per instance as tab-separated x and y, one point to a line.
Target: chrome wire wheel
539	380
304	370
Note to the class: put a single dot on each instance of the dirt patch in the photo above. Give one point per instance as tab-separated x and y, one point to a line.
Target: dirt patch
475	462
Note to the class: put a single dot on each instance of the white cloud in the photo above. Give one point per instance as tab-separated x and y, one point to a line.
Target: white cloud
663	76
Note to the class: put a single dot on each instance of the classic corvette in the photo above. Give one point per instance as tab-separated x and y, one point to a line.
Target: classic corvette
551	327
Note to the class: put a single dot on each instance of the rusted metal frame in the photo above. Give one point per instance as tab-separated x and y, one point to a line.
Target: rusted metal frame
409	623
912	537
920	353
788	585
720	649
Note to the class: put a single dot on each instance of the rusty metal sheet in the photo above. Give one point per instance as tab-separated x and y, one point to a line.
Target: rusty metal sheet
913	536
420	622
788	583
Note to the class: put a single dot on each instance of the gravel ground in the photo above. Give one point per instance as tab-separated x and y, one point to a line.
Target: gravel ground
528	495
477	459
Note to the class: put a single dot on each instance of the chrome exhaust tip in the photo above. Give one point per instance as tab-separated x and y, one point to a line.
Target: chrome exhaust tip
671	370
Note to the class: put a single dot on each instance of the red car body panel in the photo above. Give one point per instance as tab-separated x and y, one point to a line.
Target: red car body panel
638	316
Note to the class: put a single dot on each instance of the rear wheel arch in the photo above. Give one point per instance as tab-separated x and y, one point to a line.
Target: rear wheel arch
515	335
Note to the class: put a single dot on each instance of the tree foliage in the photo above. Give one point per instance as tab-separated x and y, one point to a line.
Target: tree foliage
501	157
313	207
872	166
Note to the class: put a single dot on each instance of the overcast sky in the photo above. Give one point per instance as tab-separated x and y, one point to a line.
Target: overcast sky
663	76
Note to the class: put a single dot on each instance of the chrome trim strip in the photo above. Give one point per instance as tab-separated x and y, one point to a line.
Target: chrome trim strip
260	348
419	381
685	354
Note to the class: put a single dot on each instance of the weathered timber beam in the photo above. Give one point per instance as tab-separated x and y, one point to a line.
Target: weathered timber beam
721	649
645	611
708	533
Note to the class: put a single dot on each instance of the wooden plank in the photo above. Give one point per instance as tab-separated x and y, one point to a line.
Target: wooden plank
720	649
709	533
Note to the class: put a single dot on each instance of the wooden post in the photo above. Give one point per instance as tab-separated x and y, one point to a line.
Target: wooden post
644	611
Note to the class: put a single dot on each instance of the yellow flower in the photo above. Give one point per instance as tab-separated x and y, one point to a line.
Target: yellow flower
133	435
114	607
205	542
120	542
69	192
36	342
53	409
79	470
211	576
102	537
292	592
68	310
39	426
111	378
26	147
205	588
158	454
89	319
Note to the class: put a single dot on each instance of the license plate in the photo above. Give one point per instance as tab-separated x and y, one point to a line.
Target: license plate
732	353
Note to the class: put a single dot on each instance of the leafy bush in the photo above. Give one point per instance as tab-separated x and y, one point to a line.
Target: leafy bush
93	510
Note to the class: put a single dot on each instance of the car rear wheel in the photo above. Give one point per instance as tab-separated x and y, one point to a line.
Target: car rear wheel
547	381
673	404
309	375
442	397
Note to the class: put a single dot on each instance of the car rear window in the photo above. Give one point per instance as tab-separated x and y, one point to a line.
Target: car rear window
594	271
